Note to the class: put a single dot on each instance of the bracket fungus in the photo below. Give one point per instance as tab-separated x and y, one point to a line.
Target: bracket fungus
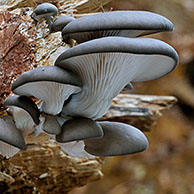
79	129
81	85
51	84
116	23
118	139
107	65
46	11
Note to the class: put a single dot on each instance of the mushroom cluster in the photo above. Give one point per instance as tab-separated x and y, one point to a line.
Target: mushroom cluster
81	85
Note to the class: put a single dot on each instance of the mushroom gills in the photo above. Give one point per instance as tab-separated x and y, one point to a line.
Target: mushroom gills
50	84
24	103
82	37
79	129
52	94
75	149
116	23
106	75
118	139
22	120
8	150
107	65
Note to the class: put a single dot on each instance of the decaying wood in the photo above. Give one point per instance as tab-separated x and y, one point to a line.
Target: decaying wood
24	45
45	168
141	111
65	6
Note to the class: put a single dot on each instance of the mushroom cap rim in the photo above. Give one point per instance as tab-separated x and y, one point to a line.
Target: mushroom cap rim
119	45
127	26
54	74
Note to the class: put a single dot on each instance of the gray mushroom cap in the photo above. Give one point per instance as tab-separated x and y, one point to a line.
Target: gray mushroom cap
11	135
116	23
61	22
79	129
44	10
25	103
118	139
107	65
51	84
51	125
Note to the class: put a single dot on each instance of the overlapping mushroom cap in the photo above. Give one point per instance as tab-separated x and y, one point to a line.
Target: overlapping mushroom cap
80	87
118	139
61	22
108	64
11	135
50	84
24	103
116	23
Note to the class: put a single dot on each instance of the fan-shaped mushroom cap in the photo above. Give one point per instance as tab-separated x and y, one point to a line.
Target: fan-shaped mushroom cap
51	84
107	65
61	22
79	129
51	125
116	23
44	10
11	135
25	103
118	139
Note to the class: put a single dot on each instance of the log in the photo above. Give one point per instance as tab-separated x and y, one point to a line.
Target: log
45	168
141	111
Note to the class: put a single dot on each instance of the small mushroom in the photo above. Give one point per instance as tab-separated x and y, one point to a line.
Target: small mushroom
107	65
79	129
118	139
50	84
11	135
47	11
61	22
116	23
26	104
51	125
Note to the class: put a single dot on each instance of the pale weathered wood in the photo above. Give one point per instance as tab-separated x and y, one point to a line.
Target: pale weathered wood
141	111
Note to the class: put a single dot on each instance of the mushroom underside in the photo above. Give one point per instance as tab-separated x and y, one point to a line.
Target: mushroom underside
89	35
104	75
11	135
52	94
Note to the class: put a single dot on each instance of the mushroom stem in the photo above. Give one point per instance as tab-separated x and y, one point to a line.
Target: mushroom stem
49	21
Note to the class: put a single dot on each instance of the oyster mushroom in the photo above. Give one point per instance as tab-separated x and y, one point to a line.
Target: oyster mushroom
24	103
46	11
11	135
51	84
118	139
116	23
78	129
107	65
61	22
